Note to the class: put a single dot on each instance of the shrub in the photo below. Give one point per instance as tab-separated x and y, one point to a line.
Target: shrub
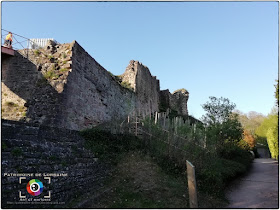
37	52
126	85
272	140
108	146
11	104
63	70
50	75
232	152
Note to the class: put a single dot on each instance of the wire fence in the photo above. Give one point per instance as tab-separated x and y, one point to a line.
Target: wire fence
19	42
177	139
24	45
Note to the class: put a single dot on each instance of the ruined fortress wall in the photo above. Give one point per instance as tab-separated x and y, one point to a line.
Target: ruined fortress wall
19	77
26	94
92	96
147	89
176	101
28	148
146	86
63	86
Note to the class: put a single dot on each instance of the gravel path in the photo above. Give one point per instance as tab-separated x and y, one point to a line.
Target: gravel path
257	189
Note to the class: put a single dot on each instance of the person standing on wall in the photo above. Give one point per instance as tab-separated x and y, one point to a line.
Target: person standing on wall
9	40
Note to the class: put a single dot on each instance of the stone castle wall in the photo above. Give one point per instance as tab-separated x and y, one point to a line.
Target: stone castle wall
28	148
177	101
63	86
18	78
146	86
92	94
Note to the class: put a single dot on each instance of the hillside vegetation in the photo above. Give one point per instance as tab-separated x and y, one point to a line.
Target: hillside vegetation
145	177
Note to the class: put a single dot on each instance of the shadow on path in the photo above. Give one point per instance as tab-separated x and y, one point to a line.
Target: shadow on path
257	189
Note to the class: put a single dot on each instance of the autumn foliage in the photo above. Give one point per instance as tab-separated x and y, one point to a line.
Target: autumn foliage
249	138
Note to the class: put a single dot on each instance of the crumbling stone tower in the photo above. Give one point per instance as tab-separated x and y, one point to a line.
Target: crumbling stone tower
145	86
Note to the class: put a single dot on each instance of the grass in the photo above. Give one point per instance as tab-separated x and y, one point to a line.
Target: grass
126	85
138	182
21	108
63	70
154	191
50	75
37	52
11	104
213	171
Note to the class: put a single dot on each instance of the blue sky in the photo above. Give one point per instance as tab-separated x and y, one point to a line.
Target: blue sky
227	49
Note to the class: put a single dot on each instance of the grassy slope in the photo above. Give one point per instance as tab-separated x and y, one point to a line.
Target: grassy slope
138	182
141	178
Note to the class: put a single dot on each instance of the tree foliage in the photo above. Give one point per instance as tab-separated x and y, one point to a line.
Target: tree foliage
277	92
249	139
269	128
218	110
270	121
250	121
221	123
272	141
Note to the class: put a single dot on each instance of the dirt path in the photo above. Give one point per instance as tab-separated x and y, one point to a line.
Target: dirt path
258	189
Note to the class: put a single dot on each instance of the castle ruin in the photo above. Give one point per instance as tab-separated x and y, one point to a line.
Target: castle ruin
61	85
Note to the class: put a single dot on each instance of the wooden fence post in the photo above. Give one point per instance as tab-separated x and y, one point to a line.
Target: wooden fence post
192	185
136	126
156	118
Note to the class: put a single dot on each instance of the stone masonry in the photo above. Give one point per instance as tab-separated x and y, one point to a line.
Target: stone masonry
176	101
61	85
28	148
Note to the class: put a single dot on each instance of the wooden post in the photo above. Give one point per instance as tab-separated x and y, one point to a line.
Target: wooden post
168	144
192	185
156	118
136	127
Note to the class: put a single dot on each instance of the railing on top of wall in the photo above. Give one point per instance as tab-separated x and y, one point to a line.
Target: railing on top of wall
23	44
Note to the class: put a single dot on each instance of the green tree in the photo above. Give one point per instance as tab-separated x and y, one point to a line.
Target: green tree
272	141
250	121
269	128
277	92
221	123
218	110
267	123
